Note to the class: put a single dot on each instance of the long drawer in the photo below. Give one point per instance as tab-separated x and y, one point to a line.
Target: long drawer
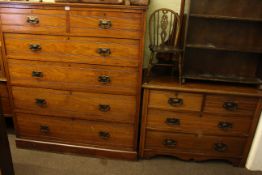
193	123
231	105
33	20
103	79
208	145
103	51
75	131
106	24
176	101
90	106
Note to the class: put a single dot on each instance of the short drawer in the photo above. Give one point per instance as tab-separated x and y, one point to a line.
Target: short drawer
210	145
90	106
193	123
73	76
102	51
33	20
75	131
106	24
3	90
172	100
231	105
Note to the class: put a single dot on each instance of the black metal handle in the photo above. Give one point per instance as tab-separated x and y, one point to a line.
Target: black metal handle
37	74
40	102
35	47
44	129
32	20
220	147
230	106
169	143
104	135
105	24
104	108
173	121
225	125
104	79
104	52
175	101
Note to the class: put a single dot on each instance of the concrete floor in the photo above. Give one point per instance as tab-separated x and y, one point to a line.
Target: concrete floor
27	162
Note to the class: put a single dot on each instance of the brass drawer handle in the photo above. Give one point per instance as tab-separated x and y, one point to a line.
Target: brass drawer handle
40	102
225	125
170	143
175	101
173	121
32	20
104	135
35	47
104	108
230	106
37	74
104	52
220	147
105	24
44	129
104	79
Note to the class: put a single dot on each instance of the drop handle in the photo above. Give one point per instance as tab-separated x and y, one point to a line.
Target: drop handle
104	79
104	108
220	147
44	129
32	20
175	102
37	74
40	102
104	135
104	52
230	106
105	24
225	125
170	143
35	47
173	122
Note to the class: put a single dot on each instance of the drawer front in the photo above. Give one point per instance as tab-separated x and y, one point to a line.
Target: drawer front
219	146
33	20
231	105
104	107
75	131
104	51
73	76
175	100
106	24
192	123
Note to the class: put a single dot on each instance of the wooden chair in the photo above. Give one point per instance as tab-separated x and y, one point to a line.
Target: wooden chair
164	35
6	165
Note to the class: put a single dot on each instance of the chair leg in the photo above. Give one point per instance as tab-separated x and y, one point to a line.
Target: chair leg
150	65
180	69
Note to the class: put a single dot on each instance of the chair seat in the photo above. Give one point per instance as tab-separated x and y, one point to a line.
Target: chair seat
165	49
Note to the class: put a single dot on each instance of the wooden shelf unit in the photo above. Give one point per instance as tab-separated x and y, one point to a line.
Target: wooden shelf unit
223	41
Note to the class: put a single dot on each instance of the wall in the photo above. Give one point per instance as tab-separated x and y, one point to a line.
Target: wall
154	5
255	156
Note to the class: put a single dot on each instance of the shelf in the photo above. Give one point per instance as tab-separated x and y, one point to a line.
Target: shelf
225	18
244	80
212	47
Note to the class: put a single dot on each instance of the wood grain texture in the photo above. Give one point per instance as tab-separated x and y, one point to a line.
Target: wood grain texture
75	131
159	99
73	49
193	123
76	105
73	77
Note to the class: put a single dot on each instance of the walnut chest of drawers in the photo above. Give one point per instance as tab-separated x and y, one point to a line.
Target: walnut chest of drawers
199	121
74	73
